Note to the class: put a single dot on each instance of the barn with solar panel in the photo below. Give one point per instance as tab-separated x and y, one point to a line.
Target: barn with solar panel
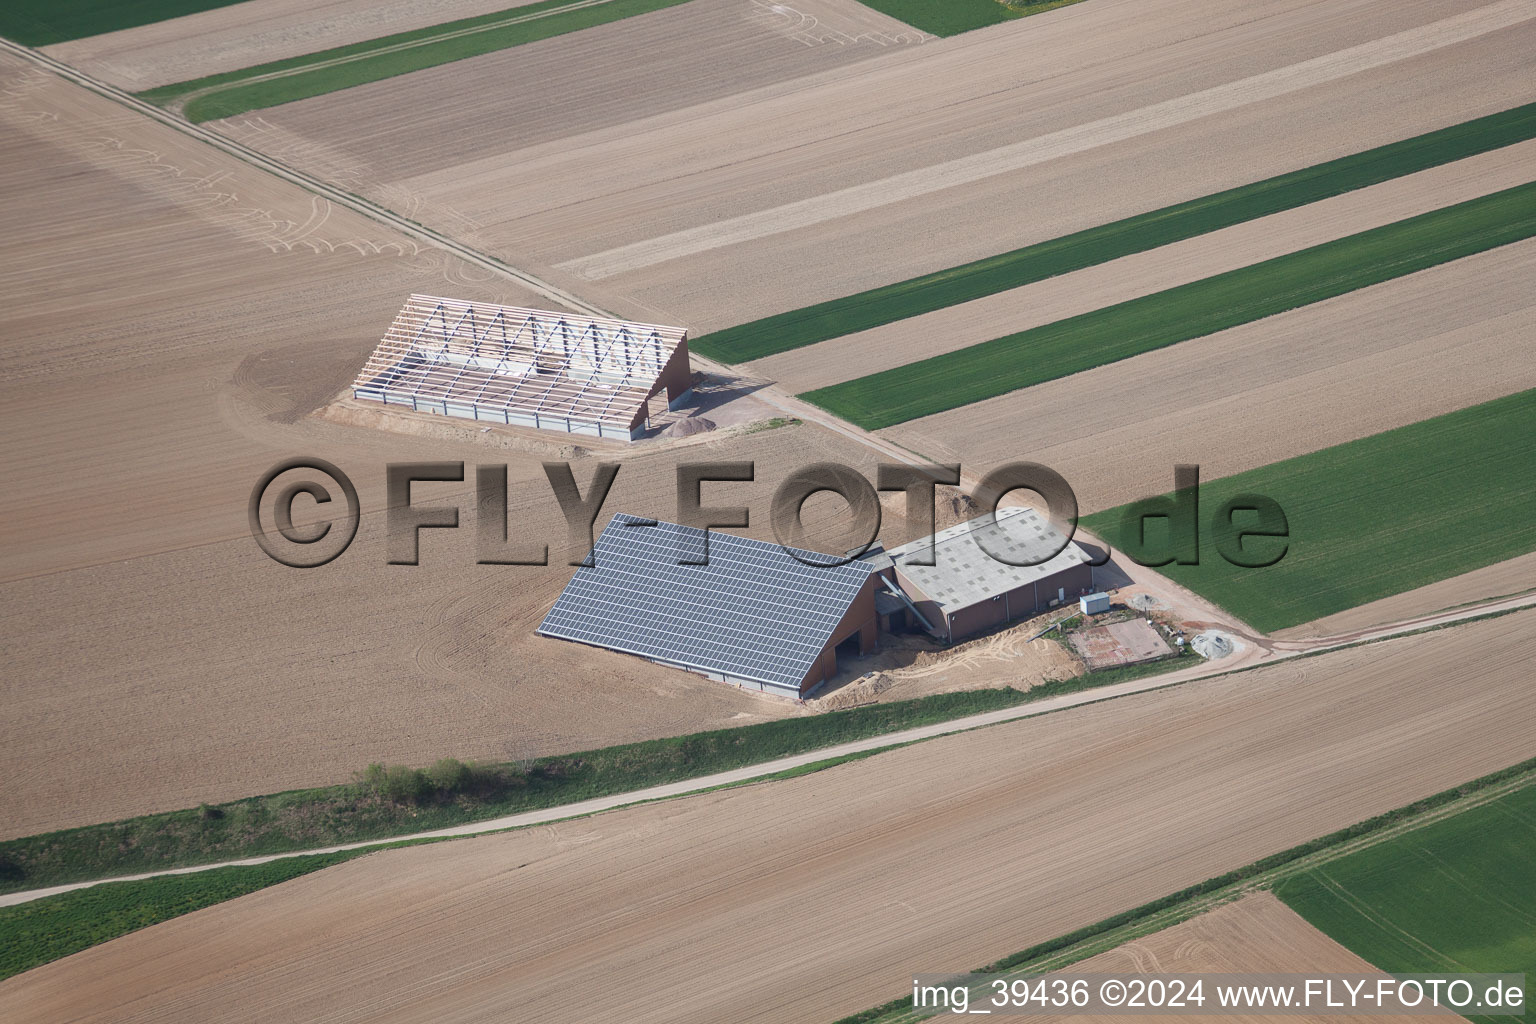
527	367
755	615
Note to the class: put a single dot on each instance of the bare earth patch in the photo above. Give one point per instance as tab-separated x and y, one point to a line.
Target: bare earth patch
816	897
1119	643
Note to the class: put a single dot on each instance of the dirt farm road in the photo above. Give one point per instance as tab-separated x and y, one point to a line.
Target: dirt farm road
1261	652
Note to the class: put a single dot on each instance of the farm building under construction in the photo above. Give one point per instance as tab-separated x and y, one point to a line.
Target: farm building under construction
526	367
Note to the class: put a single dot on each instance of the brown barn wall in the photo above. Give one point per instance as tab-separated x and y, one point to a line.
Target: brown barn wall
859	619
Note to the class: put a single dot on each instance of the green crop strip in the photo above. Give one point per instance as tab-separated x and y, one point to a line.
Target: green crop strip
315	74
1143	232
951	17
1369	518
44	22
1193	310
1454	896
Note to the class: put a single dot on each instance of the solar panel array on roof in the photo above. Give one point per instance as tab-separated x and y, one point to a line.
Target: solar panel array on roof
754	612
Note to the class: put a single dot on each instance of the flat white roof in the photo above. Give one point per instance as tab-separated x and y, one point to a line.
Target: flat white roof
964	574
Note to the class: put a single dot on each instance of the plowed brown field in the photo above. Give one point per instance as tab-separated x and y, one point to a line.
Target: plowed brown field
1254	935
809	898
954	150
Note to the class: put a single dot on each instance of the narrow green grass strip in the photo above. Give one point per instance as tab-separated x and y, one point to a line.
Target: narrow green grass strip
315	74
1193	310
1369	518
879	306
1458	895
44	22
35	933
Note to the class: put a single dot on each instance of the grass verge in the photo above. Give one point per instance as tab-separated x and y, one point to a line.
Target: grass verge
1453	896
44	22
385	803
1268	872
1367	519
35	933
314	818
1194	310
55	926
315	74
1096	245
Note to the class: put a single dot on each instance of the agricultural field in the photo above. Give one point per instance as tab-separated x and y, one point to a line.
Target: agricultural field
955	16
658	214
1256	934
971	837
174	290
1451	896
1342	369
249	33
1502	579
41	932
1107	242
1366	519
1235	923
1291	242
1179	314
314	74
38	23
928	337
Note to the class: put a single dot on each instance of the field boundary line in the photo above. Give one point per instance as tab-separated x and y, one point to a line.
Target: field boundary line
764	770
